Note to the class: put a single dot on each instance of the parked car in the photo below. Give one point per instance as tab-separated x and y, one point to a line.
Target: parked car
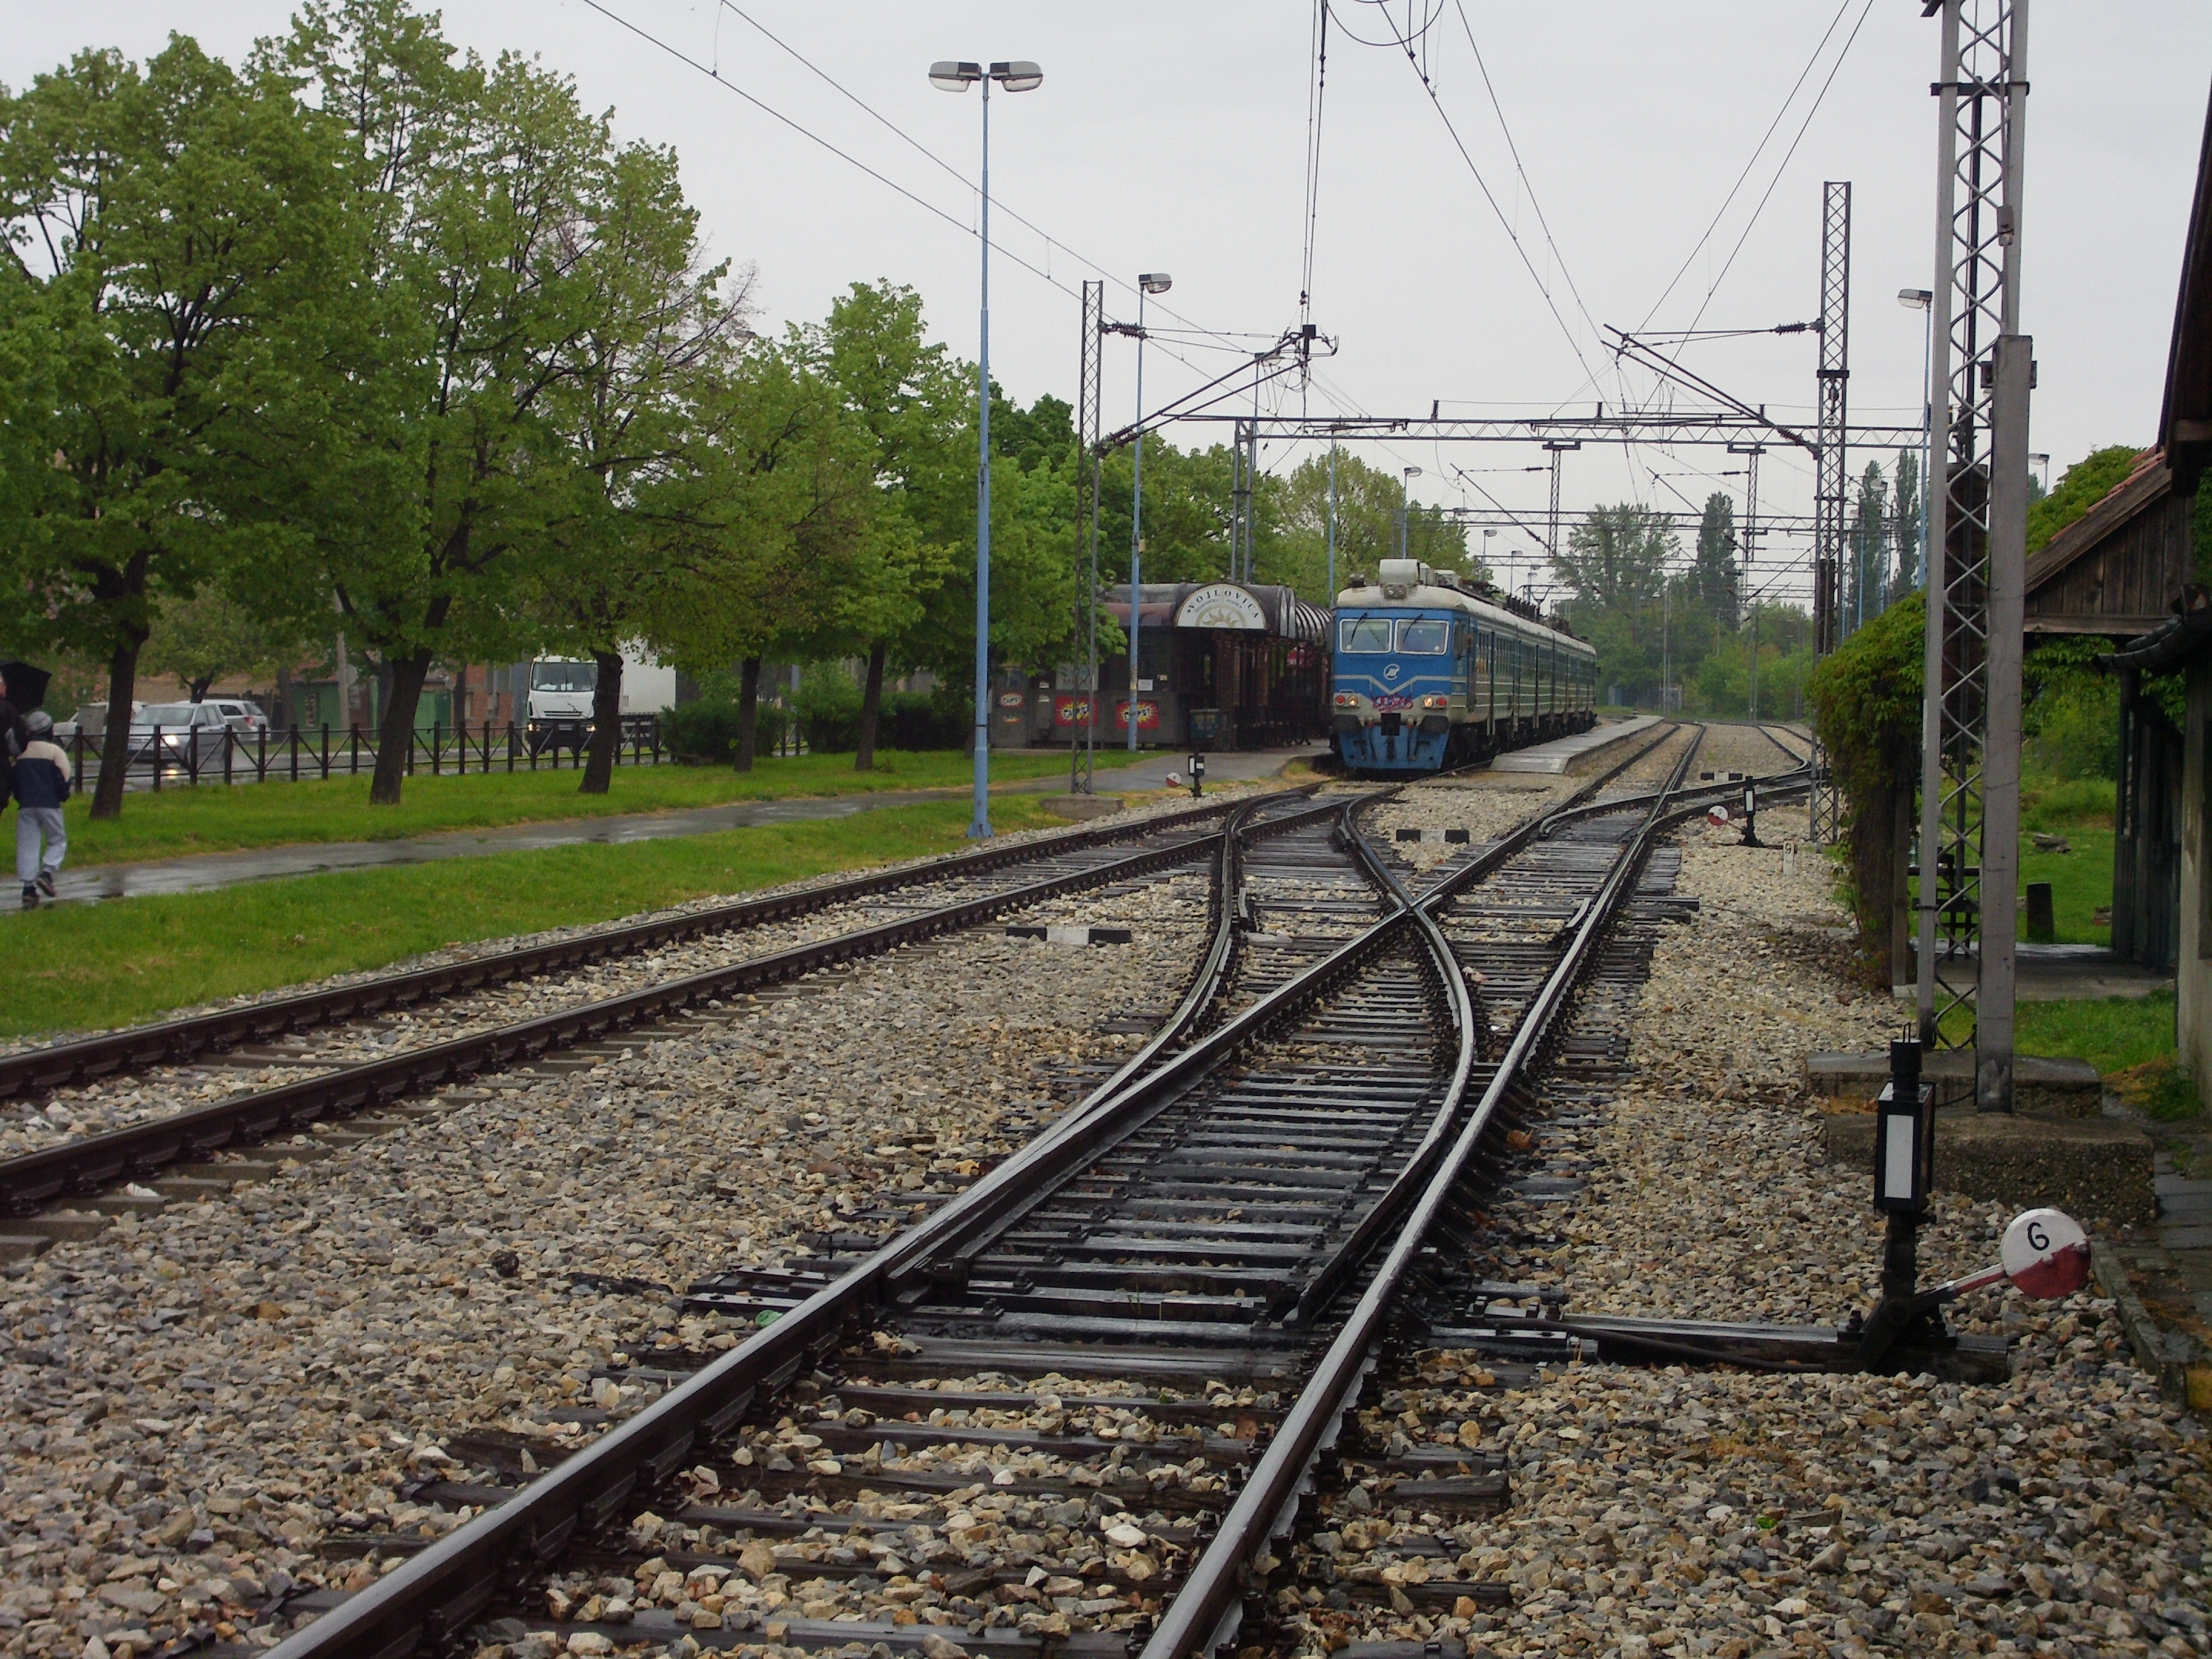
191	733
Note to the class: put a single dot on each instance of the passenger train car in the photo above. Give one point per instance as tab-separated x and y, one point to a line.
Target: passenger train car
1430	674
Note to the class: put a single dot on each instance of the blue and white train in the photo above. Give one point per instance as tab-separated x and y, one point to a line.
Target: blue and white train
1431	674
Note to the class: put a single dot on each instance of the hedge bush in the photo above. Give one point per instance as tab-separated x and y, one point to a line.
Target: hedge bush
706	731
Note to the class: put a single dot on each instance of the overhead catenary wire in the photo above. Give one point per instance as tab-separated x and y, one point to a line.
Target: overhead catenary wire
1406	45
713	73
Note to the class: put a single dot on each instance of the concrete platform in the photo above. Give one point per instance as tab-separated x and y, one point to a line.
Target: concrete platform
2043	1088
2097	1168
1556	757
2072	973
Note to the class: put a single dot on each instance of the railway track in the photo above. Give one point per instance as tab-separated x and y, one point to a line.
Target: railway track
188	1153
1142	1331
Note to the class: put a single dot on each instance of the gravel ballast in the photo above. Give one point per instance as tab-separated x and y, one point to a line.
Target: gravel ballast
192	1402
1722	1513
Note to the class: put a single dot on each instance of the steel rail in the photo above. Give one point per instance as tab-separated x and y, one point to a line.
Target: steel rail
1208	1607
85	1165
34	1071
436	1593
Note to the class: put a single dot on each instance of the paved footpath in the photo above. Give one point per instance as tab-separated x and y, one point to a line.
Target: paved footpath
203	872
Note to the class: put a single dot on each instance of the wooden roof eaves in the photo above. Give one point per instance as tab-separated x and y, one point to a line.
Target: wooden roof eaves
2185	425
2141	489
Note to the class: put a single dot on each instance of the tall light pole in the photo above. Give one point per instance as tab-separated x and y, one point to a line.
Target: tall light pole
1405	485
1922	300
1152	282
1017	77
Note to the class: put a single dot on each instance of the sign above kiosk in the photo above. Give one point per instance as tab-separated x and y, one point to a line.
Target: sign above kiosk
1221	604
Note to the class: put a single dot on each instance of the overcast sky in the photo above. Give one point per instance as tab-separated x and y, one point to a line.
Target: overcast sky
1172	135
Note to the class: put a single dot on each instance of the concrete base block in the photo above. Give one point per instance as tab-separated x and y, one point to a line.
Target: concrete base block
2041	1087
1080	807
2097	1170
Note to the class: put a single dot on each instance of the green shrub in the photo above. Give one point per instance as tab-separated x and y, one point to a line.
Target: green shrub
2085	483
1866	699
706	731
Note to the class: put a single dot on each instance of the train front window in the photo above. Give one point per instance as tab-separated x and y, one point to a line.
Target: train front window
1424	639
1363	634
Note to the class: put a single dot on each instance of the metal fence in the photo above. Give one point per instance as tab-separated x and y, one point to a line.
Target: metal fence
182	756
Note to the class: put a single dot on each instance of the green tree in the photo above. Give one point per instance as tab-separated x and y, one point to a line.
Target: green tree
166	229
1616	558
906	394
484	193
765	531
1366	527
625	412
1716	580
211	634
1906	521
1866	542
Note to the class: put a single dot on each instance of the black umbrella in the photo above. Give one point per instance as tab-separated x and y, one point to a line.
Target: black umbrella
27	686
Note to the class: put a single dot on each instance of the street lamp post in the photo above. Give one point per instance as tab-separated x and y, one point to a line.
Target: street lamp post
1152	282
1922	300
952	76
1405	483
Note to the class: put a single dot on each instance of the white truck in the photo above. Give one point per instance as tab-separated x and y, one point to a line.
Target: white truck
561	692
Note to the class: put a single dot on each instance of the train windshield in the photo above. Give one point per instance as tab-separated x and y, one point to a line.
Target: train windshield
1363	634
1424	639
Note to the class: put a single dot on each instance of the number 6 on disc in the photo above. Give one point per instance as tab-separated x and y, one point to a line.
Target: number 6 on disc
2045	1253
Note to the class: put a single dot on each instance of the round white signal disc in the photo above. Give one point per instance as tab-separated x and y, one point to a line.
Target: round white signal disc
2046	1254
1175	780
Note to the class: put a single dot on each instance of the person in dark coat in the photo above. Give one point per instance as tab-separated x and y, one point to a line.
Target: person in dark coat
42	784
14	738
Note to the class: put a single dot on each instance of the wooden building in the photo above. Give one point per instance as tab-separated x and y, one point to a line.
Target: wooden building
2128	569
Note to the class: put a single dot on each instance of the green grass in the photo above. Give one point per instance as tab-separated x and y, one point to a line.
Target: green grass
77	967
2130	1040
2081	885
211	819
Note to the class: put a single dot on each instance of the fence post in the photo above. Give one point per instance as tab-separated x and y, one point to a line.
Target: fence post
326	751
192	753
353	747
76	761
510	748
437	744
295	751
227	737
157	760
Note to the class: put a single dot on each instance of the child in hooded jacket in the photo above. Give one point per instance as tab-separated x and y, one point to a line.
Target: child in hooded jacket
42	784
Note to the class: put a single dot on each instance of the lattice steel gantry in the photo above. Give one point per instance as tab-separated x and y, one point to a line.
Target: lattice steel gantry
1978	379
1083	748
1833	473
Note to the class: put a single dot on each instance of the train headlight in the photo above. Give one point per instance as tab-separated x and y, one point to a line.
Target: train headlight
1436	702
1347	699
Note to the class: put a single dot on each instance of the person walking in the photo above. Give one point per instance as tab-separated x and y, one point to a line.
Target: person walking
42	784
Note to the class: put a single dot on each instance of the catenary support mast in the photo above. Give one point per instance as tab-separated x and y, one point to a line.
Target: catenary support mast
1833	464
1082	751
1978	379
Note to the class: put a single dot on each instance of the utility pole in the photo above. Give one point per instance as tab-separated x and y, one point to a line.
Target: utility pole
1751	453
1978	384
1834	376
1082	749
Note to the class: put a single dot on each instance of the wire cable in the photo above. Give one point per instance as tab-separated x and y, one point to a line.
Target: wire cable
908	138
1819	98
1483	185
